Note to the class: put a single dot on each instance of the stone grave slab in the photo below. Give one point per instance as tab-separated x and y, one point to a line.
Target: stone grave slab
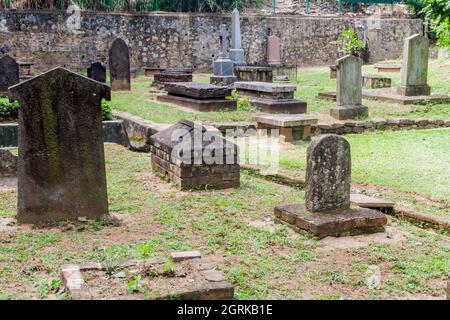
391	95
292	127
61	165
327	96
364	201
376	82
8	163
273	50
254	73
171	75
97	72
151	71
193	158
199	97
387	67
114	132
119	65
9	73
192	278
327	210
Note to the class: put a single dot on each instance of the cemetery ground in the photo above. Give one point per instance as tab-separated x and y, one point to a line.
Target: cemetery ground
232	227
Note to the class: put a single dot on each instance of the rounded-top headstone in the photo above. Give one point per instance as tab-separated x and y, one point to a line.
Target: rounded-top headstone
119	65
328	174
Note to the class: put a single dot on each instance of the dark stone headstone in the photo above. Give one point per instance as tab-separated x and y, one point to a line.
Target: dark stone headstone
9	72
328	174
119	65
61	166
8	163
97	71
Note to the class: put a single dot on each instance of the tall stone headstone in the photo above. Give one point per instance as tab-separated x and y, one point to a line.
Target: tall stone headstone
349	89
415	67
97	72
236	51
223	67
274	51
328	174
61	165
9	72
119	65
327	210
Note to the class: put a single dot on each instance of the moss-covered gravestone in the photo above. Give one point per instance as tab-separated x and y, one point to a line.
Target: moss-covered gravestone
9	73
119	65
61	165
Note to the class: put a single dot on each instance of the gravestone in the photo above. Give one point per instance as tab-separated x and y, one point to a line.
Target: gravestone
97	71
236	52
349	89
327	210
413	80
8	163
119	65
61	165
9	73
273	51
223	67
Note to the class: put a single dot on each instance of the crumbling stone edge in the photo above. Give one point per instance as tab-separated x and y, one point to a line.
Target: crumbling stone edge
218	287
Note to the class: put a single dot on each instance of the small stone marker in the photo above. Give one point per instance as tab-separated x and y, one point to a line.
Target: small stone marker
9	73
198	96
271	97
61	172
119	65
8	163
236	51
273	51
292	127
413	81
327	210
349	89
97	72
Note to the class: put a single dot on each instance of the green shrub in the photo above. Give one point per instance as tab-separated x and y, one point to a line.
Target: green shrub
350	42
8	110
106	111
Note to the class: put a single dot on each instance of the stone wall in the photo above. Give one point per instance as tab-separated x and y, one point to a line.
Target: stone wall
73	40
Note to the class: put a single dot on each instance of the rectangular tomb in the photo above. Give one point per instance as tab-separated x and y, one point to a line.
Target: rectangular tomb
293	127
198	96
253	73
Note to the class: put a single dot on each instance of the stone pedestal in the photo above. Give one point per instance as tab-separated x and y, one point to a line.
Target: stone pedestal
349	112
197	96
237	56
292	127
414	90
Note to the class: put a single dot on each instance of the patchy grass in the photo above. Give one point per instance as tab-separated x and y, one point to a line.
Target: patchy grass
263	260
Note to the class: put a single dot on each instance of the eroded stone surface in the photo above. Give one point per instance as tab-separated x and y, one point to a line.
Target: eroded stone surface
119	65
61	165
8	163
9	72
197	90
285	120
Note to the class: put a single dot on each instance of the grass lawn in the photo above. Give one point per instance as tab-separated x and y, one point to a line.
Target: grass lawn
234	227
309	83
414	162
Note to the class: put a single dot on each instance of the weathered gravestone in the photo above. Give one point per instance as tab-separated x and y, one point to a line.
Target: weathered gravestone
349	89
236	51
9	73
327	210
273	51
415	67
223	67
61	165
119	65
8	163
97	71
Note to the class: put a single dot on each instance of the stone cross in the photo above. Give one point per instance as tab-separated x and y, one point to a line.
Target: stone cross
328	174
224	40
415	67
119	65
9	72
97	72
61	165
349	89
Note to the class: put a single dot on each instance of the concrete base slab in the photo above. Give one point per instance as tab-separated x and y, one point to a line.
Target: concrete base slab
364	201
290	106
349	112
204	105
352	221
390	95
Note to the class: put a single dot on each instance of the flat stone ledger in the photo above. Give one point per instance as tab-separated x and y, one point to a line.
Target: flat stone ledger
376	82
291	106
171	75
387	68
253	73
97	72
413	80
61	164
9	73
293	127
391	95
199	97
212	164
119	65
351	221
